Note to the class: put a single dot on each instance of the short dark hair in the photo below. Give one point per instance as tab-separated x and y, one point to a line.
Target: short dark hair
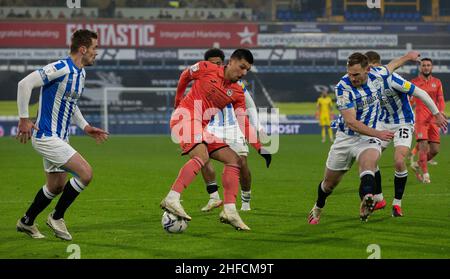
242	53
426	59
82	37
358	58
373	57
214	52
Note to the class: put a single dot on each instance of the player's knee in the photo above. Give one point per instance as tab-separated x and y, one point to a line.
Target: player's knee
400	164
56	188
86	176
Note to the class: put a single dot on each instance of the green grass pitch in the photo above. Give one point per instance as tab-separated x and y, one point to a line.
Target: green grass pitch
118	216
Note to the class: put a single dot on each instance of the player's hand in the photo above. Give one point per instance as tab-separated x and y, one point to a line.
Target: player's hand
24	130
441	120
413	55
266	155
385	135
98	134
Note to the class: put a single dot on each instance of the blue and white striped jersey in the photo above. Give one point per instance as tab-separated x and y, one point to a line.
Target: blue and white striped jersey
365	99
395	106
227	117
63	86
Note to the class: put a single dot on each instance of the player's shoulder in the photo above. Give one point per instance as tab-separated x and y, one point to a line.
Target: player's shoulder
59	65
344	83
378	71
437	80
416	79
54	70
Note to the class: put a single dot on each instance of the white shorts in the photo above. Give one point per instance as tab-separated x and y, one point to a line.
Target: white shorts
232	136
346	149
403	134
56	152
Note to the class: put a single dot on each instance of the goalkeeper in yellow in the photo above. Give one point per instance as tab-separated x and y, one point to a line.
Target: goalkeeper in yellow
324	108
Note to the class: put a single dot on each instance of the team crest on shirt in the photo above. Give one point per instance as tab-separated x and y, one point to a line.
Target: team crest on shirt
377	84
229	92
433	85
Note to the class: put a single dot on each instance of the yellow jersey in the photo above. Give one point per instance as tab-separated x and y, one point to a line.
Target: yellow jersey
324	105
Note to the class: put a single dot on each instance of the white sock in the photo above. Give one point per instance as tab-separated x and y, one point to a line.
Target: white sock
397	202
230	207
378	197
246	196
173	195
214	195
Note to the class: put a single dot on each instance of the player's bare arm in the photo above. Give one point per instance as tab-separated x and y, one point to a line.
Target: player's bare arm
397	63
349	116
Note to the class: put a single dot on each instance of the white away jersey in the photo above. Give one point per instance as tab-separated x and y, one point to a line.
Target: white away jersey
395	106
365	99
63	86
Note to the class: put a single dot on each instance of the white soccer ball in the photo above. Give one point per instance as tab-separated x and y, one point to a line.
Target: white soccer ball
172	223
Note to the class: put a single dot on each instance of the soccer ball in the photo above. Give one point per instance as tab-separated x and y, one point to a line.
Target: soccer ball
172	223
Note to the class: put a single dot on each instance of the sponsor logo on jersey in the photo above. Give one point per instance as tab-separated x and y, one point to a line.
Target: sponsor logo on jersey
406	85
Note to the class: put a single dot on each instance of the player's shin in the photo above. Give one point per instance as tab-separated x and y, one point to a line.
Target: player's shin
423	159
212	189
321	195
378	191
41	201
187	174
71	191
399	184
367	185
230	181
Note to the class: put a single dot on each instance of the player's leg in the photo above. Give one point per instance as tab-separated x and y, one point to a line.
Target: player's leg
400	178
53	187
209	176
378	197
367	160
330	133
82	176
171	203
327	124
423	150
380	203
338	162
434	140
434	150
246	182
330	180
323	133
402	143
230	182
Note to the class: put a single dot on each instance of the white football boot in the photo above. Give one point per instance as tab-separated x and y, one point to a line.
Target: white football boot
32	230
212	203
59	227
232	217
174	206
